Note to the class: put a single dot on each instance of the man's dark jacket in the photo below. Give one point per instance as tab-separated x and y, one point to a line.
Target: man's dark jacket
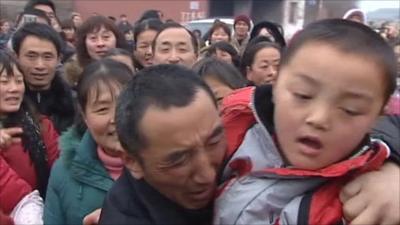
132	201
57	103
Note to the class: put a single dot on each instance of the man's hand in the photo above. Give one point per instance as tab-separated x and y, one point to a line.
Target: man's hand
92	218
374	197
9	136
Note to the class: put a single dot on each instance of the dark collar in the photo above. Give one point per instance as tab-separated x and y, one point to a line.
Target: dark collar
164	211
264	107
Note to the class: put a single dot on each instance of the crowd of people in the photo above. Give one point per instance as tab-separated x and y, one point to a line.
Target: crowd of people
107	122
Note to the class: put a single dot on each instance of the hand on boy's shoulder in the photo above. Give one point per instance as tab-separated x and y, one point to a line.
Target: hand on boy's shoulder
374	197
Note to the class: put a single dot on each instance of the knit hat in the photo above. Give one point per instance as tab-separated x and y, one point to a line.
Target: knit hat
243	18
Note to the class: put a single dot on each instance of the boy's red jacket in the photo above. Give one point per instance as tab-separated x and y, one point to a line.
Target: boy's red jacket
258	189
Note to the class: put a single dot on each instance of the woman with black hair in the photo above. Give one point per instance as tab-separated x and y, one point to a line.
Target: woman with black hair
271	30
28	142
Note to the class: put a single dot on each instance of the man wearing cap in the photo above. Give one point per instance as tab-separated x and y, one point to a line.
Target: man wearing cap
242	27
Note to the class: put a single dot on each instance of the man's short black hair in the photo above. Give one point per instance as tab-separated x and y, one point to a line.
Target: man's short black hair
162	86
169	25
32	3
39	30
349	37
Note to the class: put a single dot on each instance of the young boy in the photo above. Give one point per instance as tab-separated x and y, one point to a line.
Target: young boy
291	155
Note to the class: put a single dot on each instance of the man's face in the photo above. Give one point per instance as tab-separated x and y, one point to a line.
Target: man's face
174	46
325	102
241	28
185	149
50	14
47	9
38	59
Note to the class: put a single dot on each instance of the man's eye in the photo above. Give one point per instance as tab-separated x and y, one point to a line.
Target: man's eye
178	159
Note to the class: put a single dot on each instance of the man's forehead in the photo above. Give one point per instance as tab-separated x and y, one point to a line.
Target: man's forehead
38	44
174	34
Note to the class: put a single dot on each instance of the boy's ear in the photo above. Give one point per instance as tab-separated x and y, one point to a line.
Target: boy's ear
133	164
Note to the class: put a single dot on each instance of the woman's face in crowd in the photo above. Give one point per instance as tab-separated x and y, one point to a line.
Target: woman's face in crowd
265	66
99	116
219	35
5	27
12	90
144	53
100	42
223	56
69	33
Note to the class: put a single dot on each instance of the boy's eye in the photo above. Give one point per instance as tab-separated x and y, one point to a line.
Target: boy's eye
351	112
302	96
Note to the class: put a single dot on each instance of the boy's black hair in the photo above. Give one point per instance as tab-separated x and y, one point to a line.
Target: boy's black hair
39	30
162	86
169	25
352	38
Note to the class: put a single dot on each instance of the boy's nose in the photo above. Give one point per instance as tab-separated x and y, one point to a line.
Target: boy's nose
319	118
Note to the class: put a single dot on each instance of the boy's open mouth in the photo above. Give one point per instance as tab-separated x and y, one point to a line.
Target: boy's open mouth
312	144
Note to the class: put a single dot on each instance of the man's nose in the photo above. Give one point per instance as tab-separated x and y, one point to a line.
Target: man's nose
40	65
204	171
173	57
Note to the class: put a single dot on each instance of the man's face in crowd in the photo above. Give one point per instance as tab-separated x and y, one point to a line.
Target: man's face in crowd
241	28
50	14
185	149
174	46
39	59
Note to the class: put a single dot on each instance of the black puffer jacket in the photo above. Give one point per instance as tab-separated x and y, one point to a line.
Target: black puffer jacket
57	103
388	130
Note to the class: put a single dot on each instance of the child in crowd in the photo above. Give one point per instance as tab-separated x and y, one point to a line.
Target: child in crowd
292	147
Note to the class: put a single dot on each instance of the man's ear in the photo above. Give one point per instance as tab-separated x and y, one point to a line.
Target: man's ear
133	164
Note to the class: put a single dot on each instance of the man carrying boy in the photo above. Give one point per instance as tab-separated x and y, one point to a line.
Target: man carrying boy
330	91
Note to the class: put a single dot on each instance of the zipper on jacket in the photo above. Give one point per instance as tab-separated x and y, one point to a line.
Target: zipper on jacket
38	97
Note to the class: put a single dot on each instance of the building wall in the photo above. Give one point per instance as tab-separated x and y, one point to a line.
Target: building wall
178	10
11	8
